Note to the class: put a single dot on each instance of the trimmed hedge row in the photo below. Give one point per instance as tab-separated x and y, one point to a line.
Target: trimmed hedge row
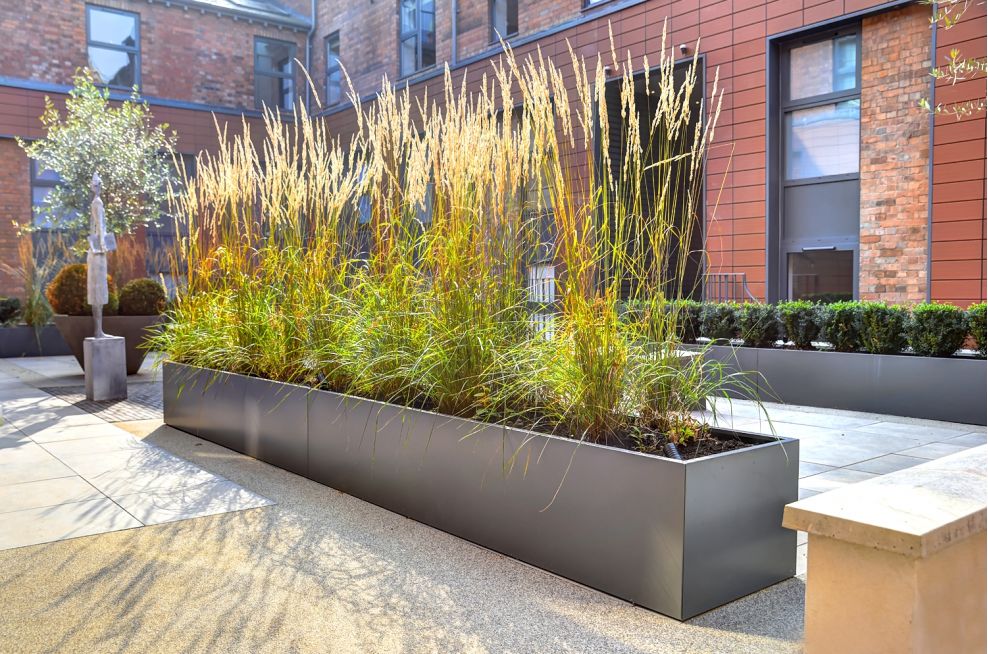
930	329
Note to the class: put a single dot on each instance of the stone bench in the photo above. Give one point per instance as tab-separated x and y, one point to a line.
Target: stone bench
897	563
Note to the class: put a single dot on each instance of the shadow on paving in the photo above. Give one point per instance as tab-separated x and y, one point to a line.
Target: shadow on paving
323	572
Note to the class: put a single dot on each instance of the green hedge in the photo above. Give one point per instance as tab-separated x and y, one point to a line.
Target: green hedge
883	327
719	320
976	319
10	310
936	330
849	326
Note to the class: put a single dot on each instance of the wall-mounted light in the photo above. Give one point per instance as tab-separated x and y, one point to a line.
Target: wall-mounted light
683	48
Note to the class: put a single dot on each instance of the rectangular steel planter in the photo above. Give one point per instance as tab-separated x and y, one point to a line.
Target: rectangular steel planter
23	341
952	389
678	538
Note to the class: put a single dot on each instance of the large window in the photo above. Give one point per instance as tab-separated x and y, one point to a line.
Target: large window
417	35
820	98
504	18
274	74
823	109
334	72
113	41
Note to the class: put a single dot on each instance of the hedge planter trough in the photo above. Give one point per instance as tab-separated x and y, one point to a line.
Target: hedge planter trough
677	537
75	329
951	388
24	341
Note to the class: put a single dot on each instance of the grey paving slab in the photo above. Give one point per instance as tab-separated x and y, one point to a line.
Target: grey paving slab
112	442
210	498
32	422
968	440
148	478
47	492
827	481
70	429
885	464
921	432
934	450
806	469
17	471
801	560
806	492
52	523
845	450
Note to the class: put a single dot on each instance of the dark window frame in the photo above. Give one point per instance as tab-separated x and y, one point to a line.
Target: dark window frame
494	37
336	68
136	50
778	105
787	106
258	102
418	34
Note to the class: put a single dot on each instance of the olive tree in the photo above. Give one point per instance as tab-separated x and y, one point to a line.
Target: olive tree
118	140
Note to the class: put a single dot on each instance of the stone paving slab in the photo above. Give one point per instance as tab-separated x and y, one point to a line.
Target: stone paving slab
65	473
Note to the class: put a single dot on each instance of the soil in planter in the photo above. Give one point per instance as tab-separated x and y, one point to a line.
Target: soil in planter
646	439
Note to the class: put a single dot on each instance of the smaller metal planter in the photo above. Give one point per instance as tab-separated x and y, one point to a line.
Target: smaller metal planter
75	329
677	537
25	341
951	389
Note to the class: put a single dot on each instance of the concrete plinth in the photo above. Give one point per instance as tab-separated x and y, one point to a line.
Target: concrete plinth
106	368
897	564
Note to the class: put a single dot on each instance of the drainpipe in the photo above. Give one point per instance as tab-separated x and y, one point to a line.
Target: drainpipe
308	58
453	12
929	197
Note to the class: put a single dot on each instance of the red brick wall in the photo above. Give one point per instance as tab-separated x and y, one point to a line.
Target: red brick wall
185	55
895	149
15	204
959	175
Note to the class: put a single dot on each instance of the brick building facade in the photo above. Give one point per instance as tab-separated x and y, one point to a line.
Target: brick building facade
826	178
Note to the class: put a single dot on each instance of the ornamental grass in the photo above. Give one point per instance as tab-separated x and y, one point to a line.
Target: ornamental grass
396	265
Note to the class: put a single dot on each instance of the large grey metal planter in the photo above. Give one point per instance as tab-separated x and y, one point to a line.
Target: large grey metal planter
678	538
952	389
25	341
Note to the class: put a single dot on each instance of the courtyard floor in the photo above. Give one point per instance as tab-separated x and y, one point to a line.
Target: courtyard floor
191	547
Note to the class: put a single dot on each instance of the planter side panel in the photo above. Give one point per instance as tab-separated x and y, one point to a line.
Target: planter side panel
734	539
275	426
23	341
939	389
206	403
951	389
608	519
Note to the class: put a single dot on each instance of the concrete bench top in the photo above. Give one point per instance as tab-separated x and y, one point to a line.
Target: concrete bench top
917	511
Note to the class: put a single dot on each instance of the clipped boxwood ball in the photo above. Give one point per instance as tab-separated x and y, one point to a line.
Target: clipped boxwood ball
142	297
67	292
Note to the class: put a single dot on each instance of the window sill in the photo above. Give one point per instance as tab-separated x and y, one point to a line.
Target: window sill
507	37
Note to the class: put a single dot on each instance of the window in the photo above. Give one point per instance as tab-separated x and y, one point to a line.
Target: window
504	19
417	35
825	275
334	73
274	74
820	101
822	109
113	40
